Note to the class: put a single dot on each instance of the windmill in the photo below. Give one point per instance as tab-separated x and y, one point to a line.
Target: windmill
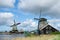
41	22
14	27
38	21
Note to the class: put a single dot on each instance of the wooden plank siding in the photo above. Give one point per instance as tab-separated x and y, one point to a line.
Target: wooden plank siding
48	29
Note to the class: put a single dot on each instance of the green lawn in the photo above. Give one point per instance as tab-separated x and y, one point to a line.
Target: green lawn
57	37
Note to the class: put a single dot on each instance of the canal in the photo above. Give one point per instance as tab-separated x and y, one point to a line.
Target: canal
10	37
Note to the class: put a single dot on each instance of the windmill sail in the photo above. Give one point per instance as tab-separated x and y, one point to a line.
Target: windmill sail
15	24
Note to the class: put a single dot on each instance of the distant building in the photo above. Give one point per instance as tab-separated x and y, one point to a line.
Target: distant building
45	28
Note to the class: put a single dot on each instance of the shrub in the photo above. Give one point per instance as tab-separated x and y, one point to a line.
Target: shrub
55	33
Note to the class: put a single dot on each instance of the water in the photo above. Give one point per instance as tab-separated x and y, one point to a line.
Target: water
10	37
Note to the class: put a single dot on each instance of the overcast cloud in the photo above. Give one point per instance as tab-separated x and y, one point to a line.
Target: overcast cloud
49	7
7	3
6	18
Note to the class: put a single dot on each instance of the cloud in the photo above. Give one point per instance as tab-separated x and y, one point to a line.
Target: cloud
6	18
29	24
7	3
54	20
49	7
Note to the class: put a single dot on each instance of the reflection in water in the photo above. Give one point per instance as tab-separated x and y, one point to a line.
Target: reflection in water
10	37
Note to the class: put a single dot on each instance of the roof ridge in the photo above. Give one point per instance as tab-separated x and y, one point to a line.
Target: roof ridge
43	27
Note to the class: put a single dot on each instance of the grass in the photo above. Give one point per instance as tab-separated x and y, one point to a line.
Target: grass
41	37
57	37
55	33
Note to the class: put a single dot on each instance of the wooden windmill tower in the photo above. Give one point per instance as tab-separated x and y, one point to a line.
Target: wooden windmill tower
41	22
14	27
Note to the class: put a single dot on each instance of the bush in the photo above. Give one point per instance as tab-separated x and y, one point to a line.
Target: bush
55	33
28	34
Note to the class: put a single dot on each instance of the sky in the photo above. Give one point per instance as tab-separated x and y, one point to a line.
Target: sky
24	11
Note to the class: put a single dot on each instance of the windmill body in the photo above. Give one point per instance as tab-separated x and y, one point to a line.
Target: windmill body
42	22
14	27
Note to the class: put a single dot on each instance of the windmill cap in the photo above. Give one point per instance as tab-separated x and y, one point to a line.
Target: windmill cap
43	19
